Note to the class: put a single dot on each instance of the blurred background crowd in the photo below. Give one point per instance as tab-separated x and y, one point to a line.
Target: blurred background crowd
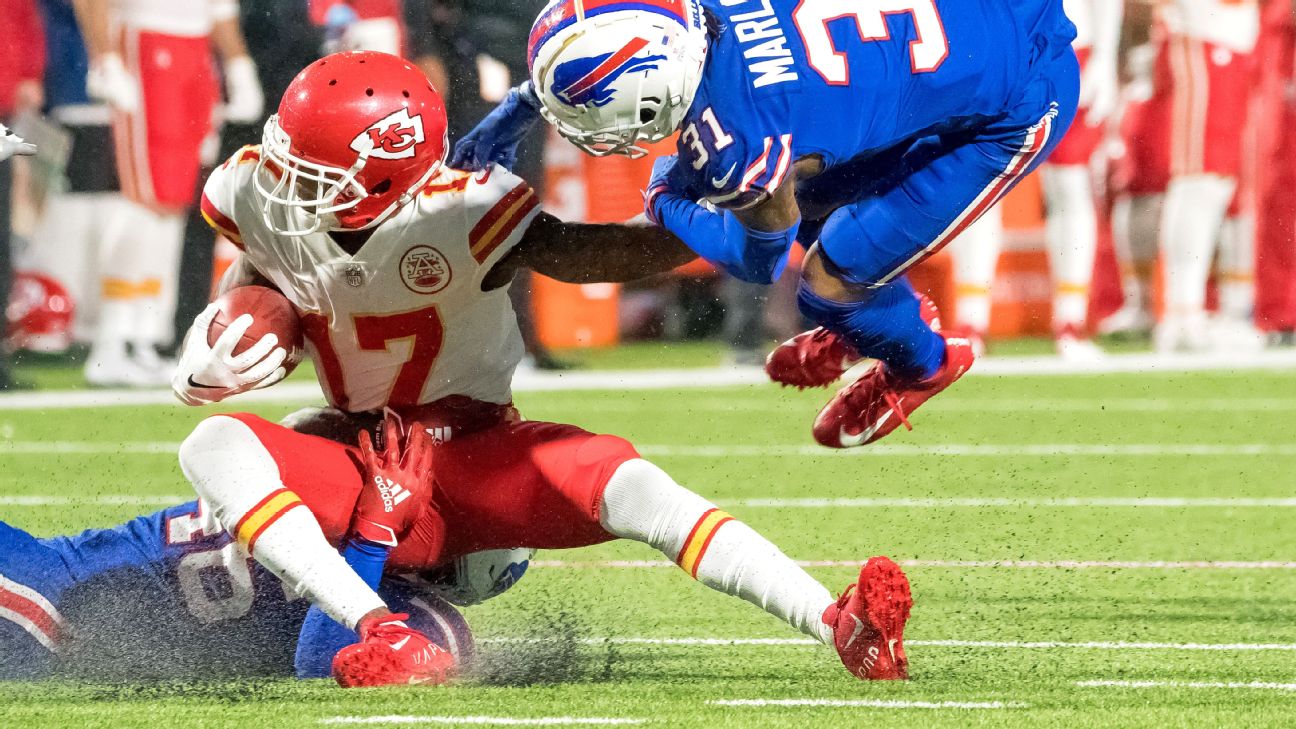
1168	217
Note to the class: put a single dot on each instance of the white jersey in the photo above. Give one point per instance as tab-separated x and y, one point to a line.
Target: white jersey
192	18
1232	24
404	321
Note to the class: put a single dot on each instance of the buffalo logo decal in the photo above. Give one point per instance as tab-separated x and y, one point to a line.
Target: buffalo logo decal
393	137
589	80
424	270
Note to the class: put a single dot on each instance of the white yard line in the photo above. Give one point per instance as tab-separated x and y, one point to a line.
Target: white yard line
1189	684
1063	564
1077	502
1029	450
485	720
691	378
979	450
987	644
958	403
97	500
871	703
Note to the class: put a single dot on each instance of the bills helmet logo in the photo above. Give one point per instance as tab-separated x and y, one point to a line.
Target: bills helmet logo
393	137
589	80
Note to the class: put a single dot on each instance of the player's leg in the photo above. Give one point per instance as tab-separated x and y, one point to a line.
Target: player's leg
1071	232
557	486
1205	159
254	476
852	280
1135	220
32	578
976	255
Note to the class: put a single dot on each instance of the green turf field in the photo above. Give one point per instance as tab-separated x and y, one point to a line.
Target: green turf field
1044	520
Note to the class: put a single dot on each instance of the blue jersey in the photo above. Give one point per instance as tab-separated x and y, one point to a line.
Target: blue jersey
786	79
168	595
65	53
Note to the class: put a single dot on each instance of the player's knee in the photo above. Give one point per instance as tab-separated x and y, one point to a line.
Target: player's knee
642	502
216	445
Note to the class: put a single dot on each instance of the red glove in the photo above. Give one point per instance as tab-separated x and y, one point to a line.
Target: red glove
397	484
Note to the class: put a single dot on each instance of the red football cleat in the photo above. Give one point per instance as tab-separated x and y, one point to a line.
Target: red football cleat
390	652
871	407
868	622
818	358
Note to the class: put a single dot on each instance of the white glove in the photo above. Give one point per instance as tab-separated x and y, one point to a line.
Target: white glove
246	101
11	144
110	82
208	374
1099	90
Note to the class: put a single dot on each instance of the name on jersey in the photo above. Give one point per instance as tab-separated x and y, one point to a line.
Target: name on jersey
764	44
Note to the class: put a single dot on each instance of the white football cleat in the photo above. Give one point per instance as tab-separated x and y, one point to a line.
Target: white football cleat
1128	321
1178	334
1076	349
1236	336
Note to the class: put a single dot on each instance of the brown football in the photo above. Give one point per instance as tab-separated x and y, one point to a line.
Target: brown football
271	313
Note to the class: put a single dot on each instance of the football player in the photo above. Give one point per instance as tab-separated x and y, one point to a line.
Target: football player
873	132
398	266
171	595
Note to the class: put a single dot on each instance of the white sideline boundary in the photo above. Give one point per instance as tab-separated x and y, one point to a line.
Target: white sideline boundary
484	720
871	703
982	644
1064	564
962	450
690	378
1189	684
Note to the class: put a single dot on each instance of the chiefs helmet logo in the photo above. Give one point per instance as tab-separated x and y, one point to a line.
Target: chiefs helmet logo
395	136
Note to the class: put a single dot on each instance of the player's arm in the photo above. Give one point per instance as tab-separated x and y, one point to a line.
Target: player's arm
244	101
591	253
107	80
750	234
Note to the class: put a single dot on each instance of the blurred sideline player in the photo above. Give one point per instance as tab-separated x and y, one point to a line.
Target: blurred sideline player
1071	226
67	245
150	60
400	267
171	595
872	133
1186	142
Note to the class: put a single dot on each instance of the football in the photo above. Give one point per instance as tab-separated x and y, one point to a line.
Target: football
271	312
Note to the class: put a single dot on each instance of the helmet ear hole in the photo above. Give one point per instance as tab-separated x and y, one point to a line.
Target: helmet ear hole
646	115
381	187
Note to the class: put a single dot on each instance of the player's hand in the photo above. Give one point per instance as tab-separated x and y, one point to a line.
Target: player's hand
659	184
1099	91
12	144
110	82
208	374
397	483
495	139
245	101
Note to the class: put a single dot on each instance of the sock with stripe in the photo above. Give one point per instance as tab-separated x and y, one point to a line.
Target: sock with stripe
239	481
1071	231
976	254
641	502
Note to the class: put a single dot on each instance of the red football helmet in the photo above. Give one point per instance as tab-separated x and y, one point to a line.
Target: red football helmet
39	314
357	135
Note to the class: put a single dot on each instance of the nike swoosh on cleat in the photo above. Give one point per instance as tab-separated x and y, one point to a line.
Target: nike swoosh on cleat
722	181
848	440
400	643
859	628
891	644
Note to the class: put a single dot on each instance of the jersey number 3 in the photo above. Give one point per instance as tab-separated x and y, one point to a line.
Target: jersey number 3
926	53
